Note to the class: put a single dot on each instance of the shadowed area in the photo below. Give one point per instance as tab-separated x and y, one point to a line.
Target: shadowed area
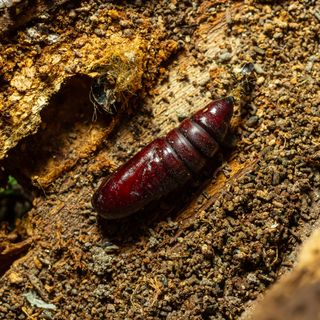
68	133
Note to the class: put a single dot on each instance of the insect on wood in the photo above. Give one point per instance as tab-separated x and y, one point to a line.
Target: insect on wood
102	94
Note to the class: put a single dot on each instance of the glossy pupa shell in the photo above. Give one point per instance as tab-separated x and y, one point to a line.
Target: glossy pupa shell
166	163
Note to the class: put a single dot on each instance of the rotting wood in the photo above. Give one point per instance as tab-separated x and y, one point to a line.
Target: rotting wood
226	255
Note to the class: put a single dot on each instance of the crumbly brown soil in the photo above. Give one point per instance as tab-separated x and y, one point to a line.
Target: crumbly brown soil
206	253
296	295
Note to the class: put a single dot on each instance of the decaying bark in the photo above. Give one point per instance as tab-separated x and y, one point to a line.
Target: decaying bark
16	13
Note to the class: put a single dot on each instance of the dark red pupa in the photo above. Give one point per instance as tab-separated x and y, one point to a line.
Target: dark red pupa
166	163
